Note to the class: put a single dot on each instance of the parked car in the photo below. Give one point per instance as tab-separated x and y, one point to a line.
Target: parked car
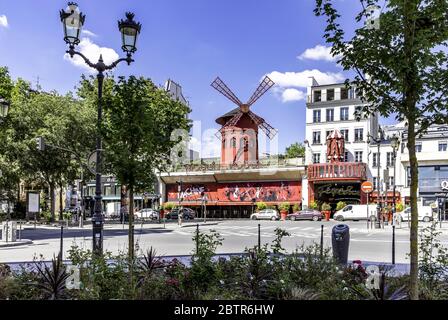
266	214
356	212
425	213
147	213
188	214
305	215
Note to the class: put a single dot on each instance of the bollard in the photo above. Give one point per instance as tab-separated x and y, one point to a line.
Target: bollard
340	239
393	244
321	240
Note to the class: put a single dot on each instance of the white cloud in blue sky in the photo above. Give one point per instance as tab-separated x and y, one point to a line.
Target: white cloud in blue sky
88	33
318	53
3	21
287	84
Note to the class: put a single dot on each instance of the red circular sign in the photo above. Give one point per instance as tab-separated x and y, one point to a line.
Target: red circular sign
367	187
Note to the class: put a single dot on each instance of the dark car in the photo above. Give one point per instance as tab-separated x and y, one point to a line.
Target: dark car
188	214
305	215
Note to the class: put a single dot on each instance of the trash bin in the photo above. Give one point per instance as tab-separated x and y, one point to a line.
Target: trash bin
340	240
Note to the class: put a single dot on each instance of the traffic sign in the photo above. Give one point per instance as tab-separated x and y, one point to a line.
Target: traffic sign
367	187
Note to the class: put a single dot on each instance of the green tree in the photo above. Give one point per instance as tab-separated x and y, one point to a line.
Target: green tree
295	150
61	120
138	126
400	70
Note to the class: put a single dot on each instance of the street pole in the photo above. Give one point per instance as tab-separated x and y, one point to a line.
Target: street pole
97	219
394	204
393	244
259	237
321	240
378	182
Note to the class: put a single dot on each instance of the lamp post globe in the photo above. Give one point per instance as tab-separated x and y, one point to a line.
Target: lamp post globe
4	108
72	21
130	30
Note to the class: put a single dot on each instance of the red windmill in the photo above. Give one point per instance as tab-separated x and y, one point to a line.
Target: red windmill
239	132
335	147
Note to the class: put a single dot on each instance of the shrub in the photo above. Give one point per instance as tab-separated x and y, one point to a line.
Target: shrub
340	205
399	207
313	205
168	206
326	207
296	207
261	206
284	206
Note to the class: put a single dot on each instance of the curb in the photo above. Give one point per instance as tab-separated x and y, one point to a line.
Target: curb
22	242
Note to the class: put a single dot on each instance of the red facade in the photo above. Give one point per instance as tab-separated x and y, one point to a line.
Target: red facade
238	193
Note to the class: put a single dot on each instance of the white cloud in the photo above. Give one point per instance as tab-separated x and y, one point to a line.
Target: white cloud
288	84
3	21
319	52
88	33
301	79
92	51
291	94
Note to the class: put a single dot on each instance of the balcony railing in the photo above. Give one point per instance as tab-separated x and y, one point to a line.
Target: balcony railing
337	171
216	166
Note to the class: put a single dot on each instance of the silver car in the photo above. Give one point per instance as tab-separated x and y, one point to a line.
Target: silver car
147	214
266	214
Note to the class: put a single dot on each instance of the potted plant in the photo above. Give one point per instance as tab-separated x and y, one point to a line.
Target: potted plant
340	205
399	207
326	211
284	210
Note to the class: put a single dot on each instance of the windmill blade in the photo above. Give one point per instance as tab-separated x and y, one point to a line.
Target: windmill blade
233	121
264	86
266	127
219	85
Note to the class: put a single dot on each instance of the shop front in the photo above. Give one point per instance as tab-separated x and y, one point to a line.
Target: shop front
336	182
234	200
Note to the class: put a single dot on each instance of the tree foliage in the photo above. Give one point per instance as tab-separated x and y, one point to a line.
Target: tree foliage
401	70
295	150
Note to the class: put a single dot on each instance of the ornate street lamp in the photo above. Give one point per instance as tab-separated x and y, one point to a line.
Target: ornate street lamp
377	141
4	108
73	20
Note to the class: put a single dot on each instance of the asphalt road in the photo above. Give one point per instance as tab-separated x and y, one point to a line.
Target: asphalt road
365	244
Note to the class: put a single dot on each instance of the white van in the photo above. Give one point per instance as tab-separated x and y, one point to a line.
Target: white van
356	212
425	214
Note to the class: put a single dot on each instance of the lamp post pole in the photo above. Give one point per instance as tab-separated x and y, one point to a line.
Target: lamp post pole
395	143
73	21
378	161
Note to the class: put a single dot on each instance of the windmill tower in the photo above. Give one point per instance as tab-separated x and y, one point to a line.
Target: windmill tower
239	131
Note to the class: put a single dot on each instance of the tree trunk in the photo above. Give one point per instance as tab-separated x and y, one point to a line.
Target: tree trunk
52	202
414	211
131	223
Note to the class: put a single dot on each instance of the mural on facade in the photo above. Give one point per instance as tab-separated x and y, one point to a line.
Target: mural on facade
239	192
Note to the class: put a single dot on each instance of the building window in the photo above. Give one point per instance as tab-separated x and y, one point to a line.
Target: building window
375	183
316	137
316	116
107	190
317	96
316	157
358	156
344	114
344	93
390	159
359	135
330	94
330	115
344	133
390	183
346	156
375	159
443	146
418	147
403	147
328	133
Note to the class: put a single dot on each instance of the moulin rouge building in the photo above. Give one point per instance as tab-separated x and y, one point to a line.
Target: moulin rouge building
338	159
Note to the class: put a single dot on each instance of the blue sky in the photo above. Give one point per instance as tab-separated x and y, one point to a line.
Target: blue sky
190	42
